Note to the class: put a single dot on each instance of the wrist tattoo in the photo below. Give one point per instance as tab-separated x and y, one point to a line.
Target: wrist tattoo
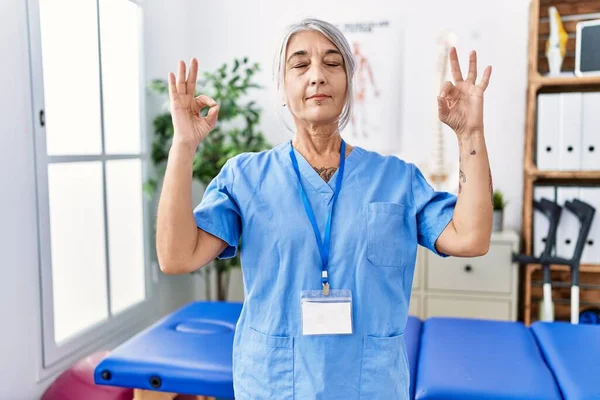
462	178
473	152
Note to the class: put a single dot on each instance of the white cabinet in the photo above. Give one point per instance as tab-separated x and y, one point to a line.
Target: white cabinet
478	287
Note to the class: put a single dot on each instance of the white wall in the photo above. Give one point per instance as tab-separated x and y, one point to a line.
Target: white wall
498	31
20	337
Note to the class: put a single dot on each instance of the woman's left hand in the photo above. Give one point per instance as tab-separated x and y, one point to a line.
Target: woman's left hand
460	106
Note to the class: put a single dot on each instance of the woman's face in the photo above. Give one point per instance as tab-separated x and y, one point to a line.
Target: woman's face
315	79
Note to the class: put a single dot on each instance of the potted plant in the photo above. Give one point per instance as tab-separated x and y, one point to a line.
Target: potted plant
498	206
236	132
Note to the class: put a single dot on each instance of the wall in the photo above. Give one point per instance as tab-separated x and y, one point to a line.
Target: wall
497	31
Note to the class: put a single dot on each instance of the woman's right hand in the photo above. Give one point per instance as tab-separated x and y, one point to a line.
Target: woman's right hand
190	128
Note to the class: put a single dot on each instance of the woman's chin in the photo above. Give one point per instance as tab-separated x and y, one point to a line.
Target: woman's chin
321	117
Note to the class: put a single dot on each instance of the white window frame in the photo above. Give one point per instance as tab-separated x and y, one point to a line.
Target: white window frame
116	327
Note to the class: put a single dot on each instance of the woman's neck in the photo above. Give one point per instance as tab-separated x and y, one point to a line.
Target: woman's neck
319	145
322	151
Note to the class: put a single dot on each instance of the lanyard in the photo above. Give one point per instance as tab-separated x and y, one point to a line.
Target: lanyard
323	247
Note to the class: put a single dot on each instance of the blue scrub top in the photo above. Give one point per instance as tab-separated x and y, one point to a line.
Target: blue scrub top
384	209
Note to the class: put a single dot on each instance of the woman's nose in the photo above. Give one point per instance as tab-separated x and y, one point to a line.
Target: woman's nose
317	76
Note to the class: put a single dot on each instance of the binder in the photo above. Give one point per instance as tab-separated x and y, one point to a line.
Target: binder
540	221
569	136
590	144
547	131
568	228
591	251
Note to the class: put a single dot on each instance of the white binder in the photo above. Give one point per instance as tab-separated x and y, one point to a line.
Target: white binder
591	251
547	150
568	228
569	137
541	223
590	145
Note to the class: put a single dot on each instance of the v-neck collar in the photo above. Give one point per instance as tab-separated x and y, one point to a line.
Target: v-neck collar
325	189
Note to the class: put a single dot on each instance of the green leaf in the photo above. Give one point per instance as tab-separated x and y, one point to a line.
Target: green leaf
149	187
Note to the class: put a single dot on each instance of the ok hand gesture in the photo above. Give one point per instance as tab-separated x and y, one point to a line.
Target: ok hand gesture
190	128
460	105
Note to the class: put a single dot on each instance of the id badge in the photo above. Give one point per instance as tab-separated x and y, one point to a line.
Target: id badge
326	315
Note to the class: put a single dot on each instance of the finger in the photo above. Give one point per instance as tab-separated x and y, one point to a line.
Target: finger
211	118
172	86
455	66
485	79
191	81
472	76
181	78
204	101
447	89
443	108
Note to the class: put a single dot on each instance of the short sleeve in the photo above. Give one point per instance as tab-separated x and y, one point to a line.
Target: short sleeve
434	210
218	213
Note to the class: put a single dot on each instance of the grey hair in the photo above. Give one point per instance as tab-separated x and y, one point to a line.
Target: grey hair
338	39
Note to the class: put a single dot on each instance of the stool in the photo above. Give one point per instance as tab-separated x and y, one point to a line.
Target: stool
77	383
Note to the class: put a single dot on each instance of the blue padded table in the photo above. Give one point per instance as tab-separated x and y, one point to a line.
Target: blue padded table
573	354
187	352
412	338
468	359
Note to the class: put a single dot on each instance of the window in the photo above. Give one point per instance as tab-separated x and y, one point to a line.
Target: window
88	96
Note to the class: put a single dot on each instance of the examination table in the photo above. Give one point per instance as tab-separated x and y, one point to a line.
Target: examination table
189	352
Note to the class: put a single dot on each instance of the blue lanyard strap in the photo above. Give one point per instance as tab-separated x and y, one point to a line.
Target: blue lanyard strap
323	247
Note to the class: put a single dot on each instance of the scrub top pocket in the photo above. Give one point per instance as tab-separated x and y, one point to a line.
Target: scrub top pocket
387	234
384	371
265	365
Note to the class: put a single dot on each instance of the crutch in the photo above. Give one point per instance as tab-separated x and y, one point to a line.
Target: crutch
585	214
552	211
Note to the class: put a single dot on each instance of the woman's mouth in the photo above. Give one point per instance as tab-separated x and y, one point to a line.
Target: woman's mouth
318	97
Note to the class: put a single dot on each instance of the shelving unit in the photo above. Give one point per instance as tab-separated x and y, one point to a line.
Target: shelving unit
571	12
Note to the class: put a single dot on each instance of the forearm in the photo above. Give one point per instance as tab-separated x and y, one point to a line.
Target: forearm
176	230
473	212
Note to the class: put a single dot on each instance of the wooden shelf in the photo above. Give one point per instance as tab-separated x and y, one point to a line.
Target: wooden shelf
572	82
571	12
567	176
593	268
589	275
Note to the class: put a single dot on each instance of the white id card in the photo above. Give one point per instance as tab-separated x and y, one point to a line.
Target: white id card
326	315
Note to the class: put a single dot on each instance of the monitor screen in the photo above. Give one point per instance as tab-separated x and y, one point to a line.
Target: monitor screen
589	56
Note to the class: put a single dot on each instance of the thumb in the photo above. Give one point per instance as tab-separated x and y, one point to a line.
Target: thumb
212	115
443	108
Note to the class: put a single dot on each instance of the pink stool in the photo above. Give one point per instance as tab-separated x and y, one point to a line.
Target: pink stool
77	383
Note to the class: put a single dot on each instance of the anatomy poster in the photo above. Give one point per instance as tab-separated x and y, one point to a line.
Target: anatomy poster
376	122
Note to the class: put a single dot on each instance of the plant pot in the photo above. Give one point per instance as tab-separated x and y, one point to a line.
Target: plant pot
498	221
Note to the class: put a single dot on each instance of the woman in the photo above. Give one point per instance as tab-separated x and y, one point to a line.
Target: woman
292	340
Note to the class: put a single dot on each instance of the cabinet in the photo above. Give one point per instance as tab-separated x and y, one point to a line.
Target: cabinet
561	158
479	287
